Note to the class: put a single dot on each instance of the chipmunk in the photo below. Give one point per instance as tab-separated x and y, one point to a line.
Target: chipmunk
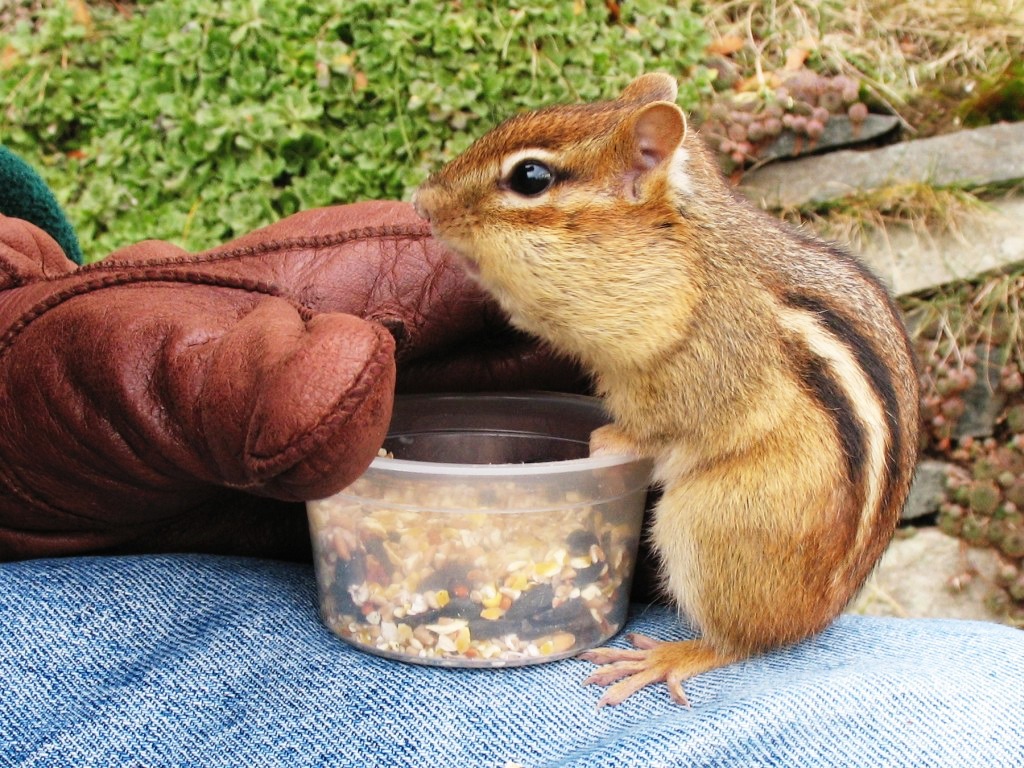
766	373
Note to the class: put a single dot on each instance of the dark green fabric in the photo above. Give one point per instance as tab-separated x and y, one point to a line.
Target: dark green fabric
24	195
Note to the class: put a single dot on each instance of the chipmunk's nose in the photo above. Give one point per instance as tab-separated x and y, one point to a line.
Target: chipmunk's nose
418	200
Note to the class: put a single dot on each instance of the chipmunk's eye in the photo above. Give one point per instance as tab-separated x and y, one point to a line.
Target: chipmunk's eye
530	178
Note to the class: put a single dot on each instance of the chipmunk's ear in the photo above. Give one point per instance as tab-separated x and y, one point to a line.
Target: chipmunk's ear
655	86
657	131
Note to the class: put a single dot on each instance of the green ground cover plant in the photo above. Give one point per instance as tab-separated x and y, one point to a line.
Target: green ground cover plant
195	122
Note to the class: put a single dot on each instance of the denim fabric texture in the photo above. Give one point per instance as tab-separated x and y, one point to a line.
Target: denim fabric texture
211	661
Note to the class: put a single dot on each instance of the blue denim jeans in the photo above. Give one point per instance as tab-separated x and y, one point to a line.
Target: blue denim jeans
214	661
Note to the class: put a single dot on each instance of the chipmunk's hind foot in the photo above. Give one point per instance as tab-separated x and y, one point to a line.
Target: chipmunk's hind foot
627	670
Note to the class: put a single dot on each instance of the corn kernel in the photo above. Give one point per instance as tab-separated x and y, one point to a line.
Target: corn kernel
489	596
518	582
562	641
547	569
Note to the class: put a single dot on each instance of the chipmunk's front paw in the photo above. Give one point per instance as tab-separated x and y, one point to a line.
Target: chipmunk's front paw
609	440
627	670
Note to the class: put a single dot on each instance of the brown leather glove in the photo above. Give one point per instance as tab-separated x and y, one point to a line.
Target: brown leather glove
161	400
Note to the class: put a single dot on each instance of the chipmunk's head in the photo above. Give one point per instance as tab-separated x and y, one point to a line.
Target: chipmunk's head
568	214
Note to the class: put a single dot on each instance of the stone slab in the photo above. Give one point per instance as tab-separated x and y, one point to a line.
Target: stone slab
913	579
910	261
840	132
967	158
928	489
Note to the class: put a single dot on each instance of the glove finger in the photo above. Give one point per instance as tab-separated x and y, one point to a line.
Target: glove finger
296	409
28	253
373	259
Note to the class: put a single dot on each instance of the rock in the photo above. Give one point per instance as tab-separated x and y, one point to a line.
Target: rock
976	157
914	579
839	132
910	261
928	489
983	402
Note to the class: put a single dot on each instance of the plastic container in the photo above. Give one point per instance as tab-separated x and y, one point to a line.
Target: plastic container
489	539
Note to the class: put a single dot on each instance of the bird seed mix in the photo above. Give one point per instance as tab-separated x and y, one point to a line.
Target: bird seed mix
473	588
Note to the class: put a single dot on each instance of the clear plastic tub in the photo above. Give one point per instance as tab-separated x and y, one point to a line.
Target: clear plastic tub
489	539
